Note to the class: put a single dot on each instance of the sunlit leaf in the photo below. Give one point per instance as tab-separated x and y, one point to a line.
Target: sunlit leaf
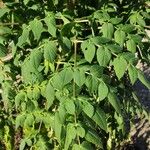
103	56
37	28
51	23
50	50
120	66
102	91
70	135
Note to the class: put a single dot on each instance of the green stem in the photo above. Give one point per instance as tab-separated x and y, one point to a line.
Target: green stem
75	65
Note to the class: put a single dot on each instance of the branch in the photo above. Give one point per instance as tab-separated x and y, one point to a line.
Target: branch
8	24
6	58
1	91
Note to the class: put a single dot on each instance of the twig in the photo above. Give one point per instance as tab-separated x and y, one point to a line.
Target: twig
1	91
81	21
147	27
75	65
8	24
6	58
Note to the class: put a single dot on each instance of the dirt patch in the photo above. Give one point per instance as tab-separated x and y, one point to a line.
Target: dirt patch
140	132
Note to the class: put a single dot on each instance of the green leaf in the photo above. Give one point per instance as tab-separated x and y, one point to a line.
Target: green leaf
114	48
50	95
96	70
29	142
98	40
70	106
29	120
133	74
91	83
115	20
80	131
58	127
100	118
29	73
35	59
107	30
87	108
88	50
22	145
50	51
127	28
140	20
51	23
102	91
21	96
93	137
79	77
78	147
143	79
37	28
133	18
48	120
67	30
20	120
41	144
5	30
3	51
120	37
131	46
62	113
114	101
24	38
70	135
26	2
3	11
62	78
103	56
65	44
36	93
87	145
136	38
120	65
128	56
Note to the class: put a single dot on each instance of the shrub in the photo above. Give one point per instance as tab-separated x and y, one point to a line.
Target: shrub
67	70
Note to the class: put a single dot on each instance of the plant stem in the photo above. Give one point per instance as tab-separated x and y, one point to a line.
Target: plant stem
75	65
8	24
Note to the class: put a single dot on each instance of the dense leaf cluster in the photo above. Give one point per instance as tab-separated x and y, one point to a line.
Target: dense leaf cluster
66	72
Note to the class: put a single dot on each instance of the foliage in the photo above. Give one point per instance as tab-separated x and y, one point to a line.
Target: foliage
67	70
